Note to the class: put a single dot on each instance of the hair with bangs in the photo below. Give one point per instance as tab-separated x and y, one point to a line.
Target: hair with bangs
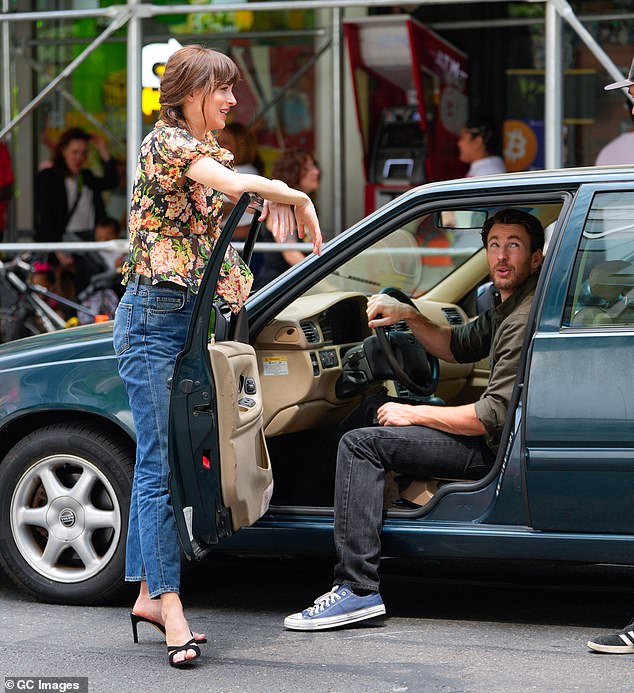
64	140
189	69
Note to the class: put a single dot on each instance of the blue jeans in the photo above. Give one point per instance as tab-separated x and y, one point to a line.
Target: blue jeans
363	457
150	328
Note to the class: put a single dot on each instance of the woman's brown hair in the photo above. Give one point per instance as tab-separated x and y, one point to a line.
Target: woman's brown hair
289	166
64	140
189	69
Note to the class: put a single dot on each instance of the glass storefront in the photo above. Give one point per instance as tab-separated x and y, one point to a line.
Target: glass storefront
281	93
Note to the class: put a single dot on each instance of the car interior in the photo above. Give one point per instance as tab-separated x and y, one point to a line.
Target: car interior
317	358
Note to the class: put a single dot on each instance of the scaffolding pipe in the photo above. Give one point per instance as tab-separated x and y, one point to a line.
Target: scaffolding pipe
135	11
147	11
5	106
338	180
567	13
55	15
265	5
118	22
283	91
135	119
553	92
73	101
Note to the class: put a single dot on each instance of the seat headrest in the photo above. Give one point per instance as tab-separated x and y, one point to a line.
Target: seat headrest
611	278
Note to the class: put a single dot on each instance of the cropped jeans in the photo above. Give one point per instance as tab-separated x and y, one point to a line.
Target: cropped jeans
364	456
150	328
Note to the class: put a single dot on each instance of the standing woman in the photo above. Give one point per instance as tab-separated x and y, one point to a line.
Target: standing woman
175	211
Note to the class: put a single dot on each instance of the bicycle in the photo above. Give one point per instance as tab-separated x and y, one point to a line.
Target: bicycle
28	311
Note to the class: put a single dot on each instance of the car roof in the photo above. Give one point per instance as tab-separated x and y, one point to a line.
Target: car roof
570	176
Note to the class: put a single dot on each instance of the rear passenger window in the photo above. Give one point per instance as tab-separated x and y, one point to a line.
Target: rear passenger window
602	290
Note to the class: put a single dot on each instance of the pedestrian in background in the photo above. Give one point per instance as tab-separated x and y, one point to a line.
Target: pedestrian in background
621	641
297	168
68	202
242	143
477	145
174	224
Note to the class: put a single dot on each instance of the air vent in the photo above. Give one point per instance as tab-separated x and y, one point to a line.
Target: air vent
310	331
400	326
326	328
453	316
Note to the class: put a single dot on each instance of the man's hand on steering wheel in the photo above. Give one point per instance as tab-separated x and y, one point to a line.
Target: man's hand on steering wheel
383	310
410	363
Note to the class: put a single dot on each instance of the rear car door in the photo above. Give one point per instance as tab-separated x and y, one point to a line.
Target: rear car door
220	472
579	416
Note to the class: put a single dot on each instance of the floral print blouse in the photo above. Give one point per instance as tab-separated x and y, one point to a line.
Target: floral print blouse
175	221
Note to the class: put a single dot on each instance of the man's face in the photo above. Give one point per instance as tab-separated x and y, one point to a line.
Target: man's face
470	147
509	256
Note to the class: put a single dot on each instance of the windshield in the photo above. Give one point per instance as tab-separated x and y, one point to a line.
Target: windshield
413	258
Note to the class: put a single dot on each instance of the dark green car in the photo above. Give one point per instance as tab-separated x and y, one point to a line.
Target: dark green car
258	397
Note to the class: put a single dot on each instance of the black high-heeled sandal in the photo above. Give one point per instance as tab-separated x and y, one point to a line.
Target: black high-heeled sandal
135	619
173	650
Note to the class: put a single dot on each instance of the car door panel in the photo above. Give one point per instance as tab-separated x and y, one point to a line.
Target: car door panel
247	479
220	473
579	440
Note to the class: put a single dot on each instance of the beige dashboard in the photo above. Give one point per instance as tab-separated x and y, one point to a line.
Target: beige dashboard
300	353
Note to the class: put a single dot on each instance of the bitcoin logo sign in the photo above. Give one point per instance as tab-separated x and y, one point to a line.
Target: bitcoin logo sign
520	145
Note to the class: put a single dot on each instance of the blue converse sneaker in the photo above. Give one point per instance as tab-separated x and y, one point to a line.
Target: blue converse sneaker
621	642
339	607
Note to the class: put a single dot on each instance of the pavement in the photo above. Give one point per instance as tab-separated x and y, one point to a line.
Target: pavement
453	627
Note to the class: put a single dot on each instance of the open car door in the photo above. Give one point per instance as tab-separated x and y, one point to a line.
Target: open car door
220	472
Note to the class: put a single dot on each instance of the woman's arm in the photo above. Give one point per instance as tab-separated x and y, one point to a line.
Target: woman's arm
214	175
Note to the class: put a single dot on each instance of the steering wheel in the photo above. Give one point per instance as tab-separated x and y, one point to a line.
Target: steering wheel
401	348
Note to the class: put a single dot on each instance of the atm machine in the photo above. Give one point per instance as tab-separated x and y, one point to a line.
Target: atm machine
410	88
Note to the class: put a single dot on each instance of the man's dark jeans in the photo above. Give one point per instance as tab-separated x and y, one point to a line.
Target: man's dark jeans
363	457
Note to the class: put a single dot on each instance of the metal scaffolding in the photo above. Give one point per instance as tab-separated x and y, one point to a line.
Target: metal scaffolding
133	12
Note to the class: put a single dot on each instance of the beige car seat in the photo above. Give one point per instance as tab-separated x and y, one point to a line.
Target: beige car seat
611	281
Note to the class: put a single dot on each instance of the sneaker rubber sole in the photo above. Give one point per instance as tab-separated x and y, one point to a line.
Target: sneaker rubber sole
610	649
296	622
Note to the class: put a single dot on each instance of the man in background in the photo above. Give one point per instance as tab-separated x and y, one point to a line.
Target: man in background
622	641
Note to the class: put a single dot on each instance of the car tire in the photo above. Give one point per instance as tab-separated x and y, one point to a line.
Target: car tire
64	503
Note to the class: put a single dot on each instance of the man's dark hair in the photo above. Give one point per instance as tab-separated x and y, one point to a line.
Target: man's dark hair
485	128
532	224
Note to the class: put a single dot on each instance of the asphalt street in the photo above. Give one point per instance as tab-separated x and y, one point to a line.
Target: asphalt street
461	627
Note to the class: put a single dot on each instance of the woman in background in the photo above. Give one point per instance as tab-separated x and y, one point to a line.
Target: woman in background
68	200
241	142
298	169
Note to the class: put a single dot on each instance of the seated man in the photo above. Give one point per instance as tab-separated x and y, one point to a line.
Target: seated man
424	440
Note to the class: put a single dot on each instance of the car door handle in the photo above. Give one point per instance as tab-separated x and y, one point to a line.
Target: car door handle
202	409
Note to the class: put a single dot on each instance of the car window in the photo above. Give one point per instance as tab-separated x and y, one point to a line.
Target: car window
602	288
413	258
